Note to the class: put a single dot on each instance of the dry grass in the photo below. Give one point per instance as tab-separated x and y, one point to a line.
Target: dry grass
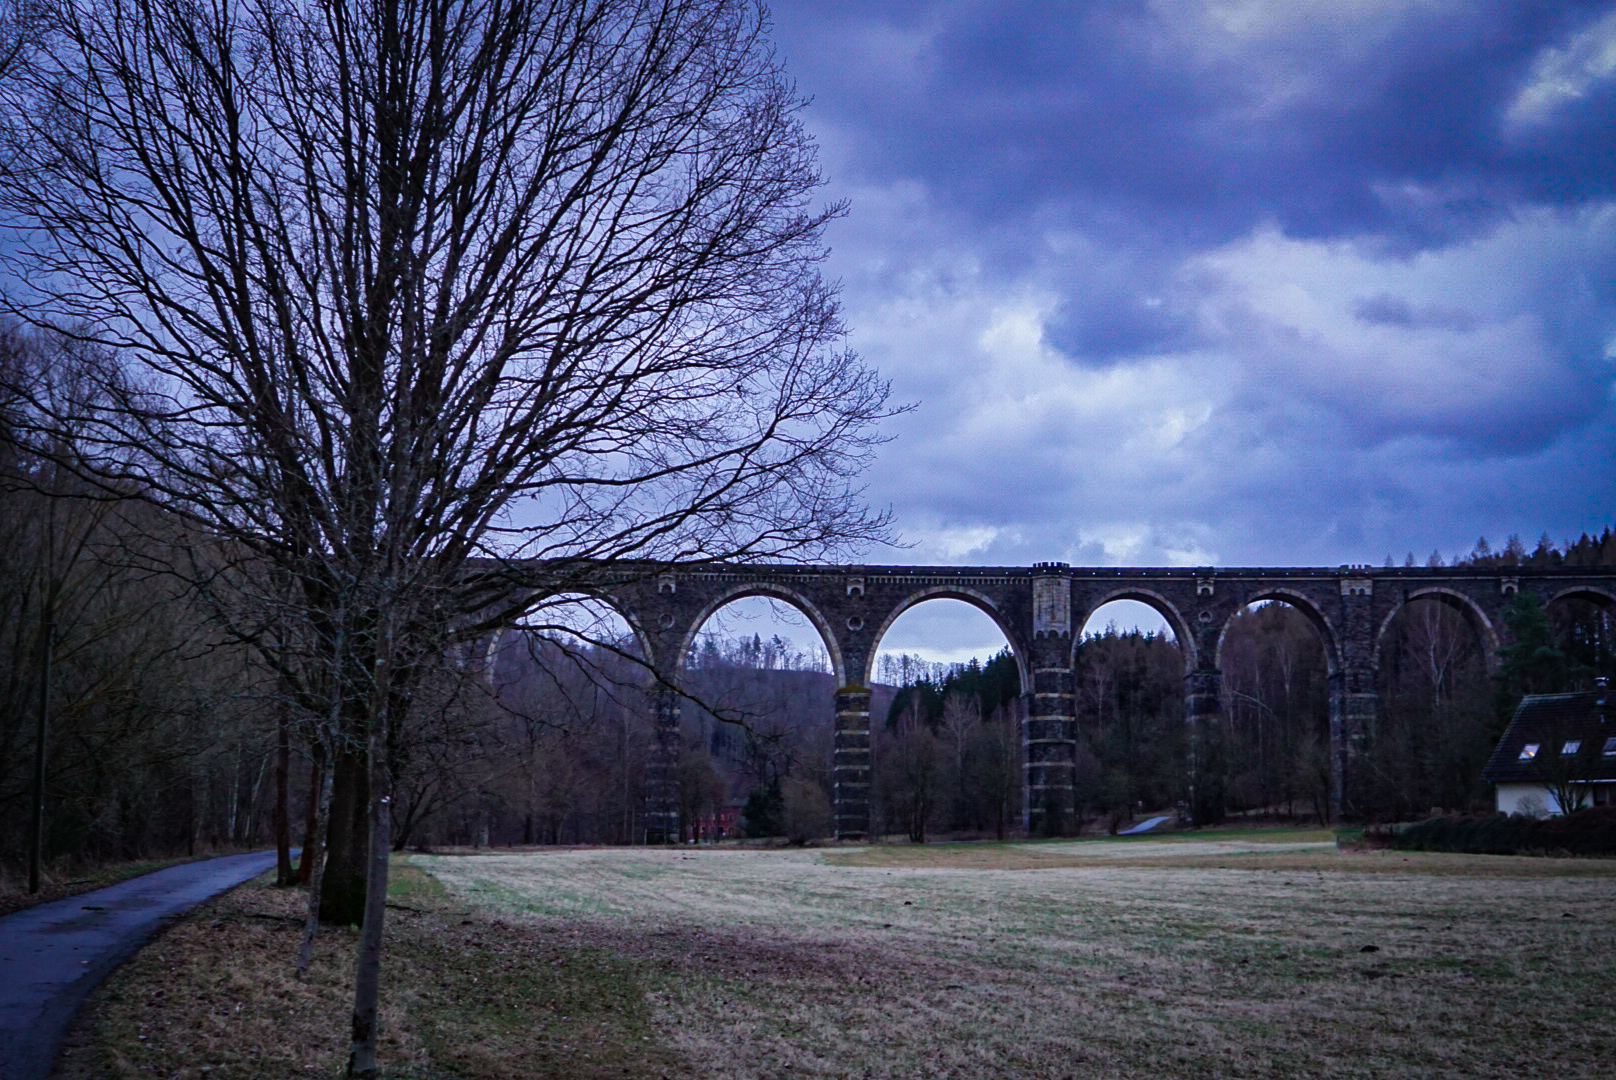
1277	849
465	995
1164	961
1189	958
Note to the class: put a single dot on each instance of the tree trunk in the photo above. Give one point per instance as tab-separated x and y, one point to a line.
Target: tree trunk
342	891
249	832
284	874
404	824
235	799
192	820
367	977
313	864
311	818
367	974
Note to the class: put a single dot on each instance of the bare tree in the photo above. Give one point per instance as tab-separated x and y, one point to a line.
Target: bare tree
962	714
21	24
995	765
911	774
401	285
701	790
1567	766
805	811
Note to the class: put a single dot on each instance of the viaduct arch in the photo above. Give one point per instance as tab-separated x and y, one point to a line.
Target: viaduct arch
1042	609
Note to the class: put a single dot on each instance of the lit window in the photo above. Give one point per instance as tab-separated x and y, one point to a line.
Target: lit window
1571	747
1610	747
1529	751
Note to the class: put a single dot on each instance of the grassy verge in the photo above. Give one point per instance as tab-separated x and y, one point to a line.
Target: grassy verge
466	994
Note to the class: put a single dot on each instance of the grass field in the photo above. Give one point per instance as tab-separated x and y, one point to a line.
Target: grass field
1272	955
1240	955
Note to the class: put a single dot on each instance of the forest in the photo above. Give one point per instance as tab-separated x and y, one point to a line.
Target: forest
165	739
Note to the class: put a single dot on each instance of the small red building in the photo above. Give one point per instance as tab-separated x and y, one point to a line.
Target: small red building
723	822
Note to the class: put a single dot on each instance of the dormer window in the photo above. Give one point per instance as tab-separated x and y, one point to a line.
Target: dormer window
1571	747
1529	751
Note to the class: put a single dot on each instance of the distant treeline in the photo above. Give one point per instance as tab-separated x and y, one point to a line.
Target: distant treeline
1584	551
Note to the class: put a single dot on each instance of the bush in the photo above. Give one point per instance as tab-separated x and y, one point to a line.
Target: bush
761	816
1363	837
1585	832
806	812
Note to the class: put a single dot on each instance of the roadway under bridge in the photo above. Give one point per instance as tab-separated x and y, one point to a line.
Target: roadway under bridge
1042	609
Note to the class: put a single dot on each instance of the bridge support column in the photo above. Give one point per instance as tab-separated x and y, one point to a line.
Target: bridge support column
662	771
1354	710
1203	718
1354	702
851	766
1049	739
1049	733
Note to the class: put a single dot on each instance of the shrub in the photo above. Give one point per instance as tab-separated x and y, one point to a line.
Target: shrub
761	815
805	812
1585	832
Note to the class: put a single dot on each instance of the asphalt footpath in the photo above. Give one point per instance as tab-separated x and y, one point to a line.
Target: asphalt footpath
53	955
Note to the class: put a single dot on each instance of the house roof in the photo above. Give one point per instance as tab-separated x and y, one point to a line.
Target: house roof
1549	722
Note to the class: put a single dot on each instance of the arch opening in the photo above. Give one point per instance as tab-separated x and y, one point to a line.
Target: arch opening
565	648
1128	616
758	673
1437	716
1463	606
1301	606
1276	658
581	616
1582	625
947	711
567	693
577	630
761	631
1143	610
934	632
789	629
1128	703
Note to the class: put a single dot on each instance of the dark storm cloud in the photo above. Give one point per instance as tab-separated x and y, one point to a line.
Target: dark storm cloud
1103	327
1169	119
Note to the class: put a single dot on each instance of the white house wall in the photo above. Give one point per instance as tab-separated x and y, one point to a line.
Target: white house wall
1509	796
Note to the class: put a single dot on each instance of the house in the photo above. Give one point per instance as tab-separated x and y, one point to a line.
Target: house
1558	748
719	823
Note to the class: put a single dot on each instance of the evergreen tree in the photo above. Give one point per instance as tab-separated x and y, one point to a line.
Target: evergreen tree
764	812
1531	664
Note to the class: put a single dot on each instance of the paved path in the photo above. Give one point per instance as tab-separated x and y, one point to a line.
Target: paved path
53	955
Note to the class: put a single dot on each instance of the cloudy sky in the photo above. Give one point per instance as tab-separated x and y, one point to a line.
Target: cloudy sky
1275	282
1234	283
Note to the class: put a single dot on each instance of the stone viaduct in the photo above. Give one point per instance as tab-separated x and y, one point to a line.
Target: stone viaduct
1042	610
